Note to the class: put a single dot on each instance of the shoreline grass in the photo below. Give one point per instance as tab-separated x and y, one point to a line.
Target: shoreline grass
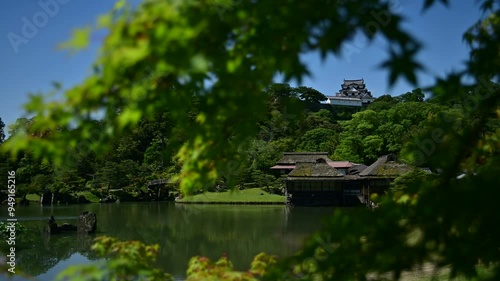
89	196
246	196
33	197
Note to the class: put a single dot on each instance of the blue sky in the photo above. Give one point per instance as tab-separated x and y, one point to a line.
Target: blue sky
32	66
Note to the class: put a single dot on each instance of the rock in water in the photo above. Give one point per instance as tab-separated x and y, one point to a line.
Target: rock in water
68	227
51	226
87	222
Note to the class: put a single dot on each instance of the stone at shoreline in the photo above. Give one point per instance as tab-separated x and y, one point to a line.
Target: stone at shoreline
87	222
108	199
68	227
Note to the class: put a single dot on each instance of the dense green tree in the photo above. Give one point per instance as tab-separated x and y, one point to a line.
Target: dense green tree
86	165
262	179
416	95
127	148
39	184
309	94
383	102
350	148
67	180
29	167
32	175
118	175
262	155
321	119
153	156
6	165
385	131
2	132
373	147
319	139
280	91
345	112
286	144
21	124
4	158
277	126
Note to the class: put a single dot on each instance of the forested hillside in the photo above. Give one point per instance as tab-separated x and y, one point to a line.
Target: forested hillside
295	120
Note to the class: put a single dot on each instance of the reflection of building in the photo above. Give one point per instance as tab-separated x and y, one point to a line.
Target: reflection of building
314	179
352	93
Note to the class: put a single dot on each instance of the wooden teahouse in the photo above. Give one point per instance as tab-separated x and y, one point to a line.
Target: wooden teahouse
318	182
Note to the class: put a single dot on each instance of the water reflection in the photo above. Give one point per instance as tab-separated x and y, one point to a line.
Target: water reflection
182	231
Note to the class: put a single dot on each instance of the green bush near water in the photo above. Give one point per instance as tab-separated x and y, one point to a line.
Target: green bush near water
33	197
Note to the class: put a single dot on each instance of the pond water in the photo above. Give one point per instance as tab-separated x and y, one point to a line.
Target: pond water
182	231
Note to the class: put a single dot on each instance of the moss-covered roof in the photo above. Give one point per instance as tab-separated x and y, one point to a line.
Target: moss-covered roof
356	169
290	158
386	166
320	169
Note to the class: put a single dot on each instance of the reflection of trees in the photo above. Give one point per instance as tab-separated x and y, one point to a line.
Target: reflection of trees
188	230
241	232
182	231
47	251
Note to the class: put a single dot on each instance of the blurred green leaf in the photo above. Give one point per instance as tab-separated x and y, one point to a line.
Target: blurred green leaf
80	39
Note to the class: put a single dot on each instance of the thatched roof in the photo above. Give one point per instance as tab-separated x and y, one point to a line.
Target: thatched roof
386	166
356	169
314	170
290	158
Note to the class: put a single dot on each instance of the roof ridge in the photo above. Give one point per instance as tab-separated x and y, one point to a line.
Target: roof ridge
305	153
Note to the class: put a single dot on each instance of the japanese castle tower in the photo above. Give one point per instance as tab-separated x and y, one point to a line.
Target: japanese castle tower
352	93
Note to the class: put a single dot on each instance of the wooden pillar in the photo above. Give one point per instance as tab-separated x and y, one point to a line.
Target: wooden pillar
369	201
343	194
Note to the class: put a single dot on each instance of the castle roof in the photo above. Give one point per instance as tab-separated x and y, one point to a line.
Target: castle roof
354	81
